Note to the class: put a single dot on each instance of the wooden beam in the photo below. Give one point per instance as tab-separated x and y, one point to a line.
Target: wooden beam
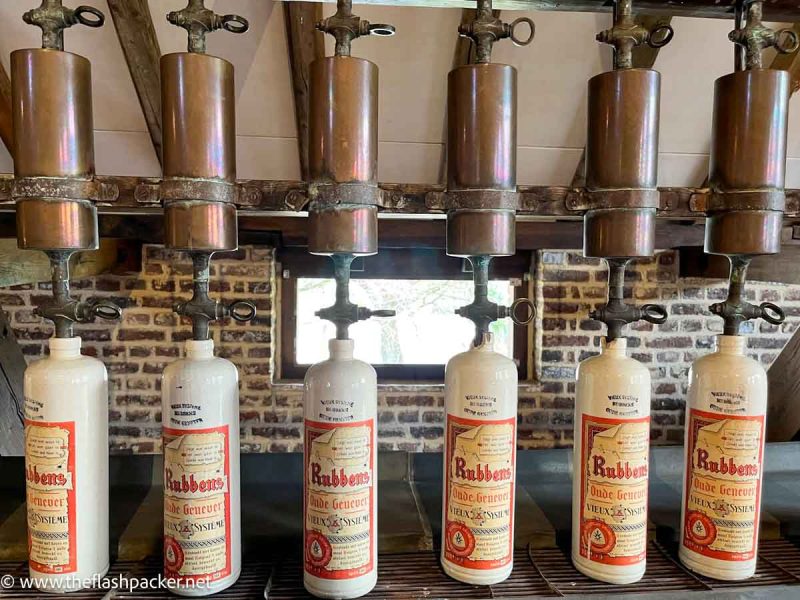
6	122
137	37
790	62
644	57
783	377
306	44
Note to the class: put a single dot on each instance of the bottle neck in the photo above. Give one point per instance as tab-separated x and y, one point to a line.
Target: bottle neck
341	349
731	344
615	348
487	343
199	349
61	348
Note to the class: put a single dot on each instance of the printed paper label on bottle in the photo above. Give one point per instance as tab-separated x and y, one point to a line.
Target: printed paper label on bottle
723	485
614	467
338	499
197	504
479	502
50	493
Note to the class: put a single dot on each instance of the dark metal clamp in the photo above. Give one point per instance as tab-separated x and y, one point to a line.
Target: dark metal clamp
198	20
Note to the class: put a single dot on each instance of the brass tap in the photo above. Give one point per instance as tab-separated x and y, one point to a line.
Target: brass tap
344	26
483	311
198	20
626	34
616	313
486	29
201	309
752	36
343	313
64	311
53	18
735	310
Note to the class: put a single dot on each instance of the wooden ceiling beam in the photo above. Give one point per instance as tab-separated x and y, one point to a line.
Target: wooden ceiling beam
644	57
137	36
305	44
6	122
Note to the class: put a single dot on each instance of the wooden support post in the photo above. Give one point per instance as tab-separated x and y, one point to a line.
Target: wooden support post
783	408
139	44
306	44
644	57
6	122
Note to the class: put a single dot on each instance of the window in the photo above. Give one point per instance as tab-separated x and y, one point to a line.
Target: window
424	287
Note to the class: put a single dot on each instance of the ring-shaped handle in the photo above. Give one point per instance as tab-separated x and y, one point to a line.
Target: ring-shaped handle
81	12
513	27
106	310
772	313
786	41
667	33
383	29
242	310
531	311
235	23
654	313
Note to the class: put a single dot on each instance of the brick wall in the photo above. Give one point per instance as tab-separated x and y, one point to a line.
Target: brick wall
411	416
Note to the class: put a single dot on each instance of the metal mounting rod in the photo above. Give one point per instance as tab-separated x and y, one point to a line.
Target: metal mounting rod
735	310
486	29
201	308
198	20
616	313
343	313
483	311
64	311
626	34
344	26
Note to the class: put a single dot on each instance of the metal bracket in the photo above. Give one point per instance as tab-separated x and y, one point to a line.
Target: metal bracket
198	20
343	313
585	200
344	26
201	309
53	18
626	34
64	188
486	29
616	314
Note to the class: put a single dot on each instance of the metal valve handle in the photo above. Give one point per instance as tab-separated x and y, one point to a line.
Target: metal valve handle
752	36
198	20
53	18
513	28
382	313
653	39
527	303
241	311
104	309
654	313
772	313
344	26
382	29
486	29
625	34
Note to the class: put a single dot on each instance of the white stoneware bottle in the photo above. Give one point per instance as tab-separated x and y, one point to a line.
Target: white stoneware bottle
202	514
479	465
610	466
66	467
724	450
340	492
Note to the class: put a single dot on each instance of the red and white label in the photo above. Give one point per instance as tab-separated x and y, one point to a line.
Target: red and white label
50	493
614	467
479	503
339	491
723	485
197	519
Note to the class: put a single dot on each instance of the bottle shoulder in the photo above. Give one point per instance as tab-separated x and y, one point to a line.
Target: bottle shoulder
485	359
212	367
603	363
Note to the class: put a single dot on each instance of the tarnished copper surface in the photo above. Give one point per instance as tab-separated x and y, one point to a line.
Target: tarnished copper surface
52	113
744	232
482	127
343	120
622	134
481	232
56	224
199	128
195	225
619	232
349	229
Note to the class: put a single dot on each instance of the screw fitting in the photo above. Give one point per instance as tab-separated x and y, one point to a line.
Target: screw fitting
198	20
486	29
626	34
53	18
344	26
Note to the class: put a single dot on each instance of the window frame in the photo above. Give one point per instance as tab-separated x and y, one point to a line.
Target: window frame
398	263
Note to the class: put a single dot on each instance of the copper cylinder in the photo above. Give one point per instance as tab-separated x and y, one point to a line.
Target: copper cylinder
747	166
622	134
481	232
482	127
199	142
619	232
343	120
54	224
351	229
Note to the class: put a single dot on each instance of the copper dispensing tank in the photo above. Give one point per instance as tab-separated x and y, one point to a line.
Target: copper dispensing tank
199	146
343	156
52	114
481	159
748	162
621	163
